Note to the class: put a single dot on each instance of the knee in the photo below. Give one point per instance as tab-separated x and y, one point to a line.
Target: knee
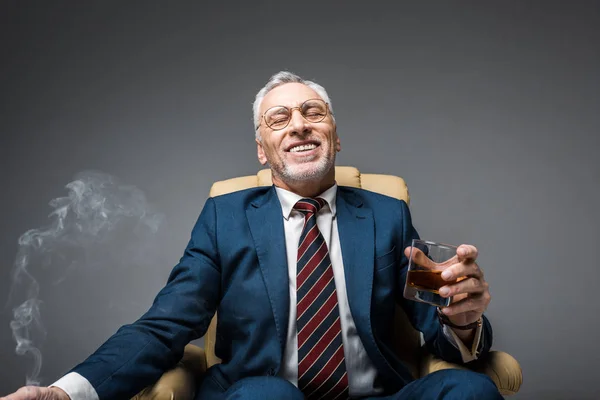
263	388
471	385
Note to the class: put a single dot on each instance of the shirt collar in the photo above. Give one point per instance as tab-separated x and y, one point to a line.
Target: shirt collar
289	199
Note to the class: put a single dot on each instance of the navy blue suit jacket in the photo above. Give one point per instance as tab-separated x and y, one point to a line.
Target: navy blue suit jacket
235	263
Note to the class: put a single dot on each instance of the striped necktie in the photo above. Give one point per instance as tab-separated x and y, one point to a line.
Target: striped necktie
321	366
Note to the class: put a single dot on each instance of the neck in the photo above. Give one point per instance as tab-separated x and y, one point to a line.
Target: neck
309	188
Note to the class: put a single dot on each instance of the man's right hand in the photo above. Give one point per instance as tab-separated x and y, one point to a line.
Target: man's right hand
37	393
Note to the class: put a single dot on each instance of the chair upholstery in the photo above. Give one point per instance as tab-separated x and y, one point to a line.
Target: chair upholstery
178	383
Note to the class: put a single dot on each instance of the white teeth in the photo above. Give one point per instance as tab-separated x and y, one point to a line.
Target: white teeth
303	147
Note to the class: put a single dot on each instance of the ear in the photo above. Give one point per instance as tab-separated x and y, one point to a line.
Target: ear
260	152
338	145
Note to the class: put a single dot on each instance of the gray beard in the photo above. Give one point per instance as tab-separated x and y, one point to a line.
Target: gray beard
287	173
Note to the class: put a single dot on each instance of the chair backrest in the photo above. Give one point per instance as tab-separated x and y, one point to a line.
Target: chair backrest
408	339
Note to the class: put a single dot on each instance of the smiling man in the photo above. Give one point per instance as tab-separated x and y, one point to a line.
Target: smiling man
305	275
301	163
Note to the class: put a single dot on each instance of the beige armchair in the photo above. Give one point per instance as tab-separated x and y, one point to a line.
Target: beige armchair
179	383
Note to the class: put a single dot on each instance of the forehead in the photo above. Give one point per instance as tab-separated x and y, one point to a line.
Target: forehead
288	94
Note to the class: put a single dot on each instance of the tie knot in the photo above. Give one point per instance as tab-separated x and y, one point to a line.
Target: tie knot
310	205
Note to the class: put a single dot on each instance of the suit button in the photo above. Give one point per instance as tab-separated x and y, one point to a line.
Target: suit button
271	372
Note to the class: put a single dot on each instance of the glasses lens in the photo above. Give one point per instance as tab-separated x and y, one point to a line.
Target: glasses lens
277	117
314	110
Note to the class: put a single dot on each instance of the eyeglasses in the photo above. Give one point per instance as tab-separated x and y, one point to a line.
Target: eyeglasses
278	117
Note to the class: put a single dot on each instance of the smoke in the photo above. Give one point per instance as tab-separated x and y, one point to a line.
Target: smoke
100	221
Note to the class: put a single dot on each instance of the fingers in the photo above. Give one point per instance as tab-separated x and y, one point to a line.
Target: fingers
467	252
419	257
476	303
459	270
469	285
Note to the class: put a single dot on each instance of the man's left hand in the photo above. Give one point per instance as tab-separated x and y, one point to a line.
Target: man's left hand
471	294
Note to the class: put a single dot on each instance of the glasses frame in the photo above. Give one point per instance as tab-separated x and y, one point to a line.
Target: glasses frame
291	110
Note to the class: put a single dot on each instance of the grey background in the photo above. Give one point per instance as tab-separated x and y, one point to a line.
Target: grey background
489	110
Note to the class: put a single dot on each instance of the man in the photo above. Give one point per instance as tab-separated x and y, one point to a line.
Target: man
305	275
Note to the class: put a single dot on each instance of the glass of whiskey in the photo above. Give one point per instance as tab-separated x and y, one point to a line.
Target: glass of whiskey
426	262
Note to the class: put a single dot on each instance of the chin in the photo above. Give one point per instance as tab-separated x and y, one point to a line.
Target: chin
314	171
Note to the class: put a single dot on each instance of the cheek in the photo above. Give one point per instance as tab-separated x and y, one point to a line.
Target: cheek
273	148
272	151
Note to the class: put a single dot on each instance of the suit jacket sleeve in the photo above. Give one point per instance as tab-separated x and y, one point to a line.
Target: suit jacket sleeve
423	316
139	353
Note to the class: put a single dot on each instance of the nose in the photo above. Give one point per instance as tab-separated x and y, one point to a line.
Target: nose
298	125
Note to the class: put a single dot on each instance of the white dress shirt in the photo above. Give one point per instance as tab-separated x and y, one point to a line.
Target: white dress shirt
360	369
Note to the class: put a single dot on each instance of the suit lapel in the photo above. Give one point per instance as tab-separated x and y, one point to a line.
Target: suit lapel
266	225
356	231
356	228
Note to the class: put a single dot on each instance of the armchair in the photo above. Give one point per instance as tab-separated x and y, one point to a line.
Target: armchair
179	383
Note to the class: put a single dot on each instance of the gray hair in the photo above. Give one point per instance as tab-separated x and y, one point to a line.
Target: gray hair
282	78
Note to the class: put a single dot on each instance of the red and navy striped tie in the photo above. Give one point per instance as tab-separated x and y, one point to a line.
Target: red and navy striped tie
321	366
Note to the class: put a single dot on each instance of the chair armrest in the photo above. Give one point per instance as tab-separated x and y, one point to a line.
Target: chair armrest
504	370
194	360
180	382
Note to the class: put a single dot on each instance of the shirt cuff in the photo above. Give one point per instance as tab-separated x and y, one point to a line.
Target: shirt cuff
77	387
466	354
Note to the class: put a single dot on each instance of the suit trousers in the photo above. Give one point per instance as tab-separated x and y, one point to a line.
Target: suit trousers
448	384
